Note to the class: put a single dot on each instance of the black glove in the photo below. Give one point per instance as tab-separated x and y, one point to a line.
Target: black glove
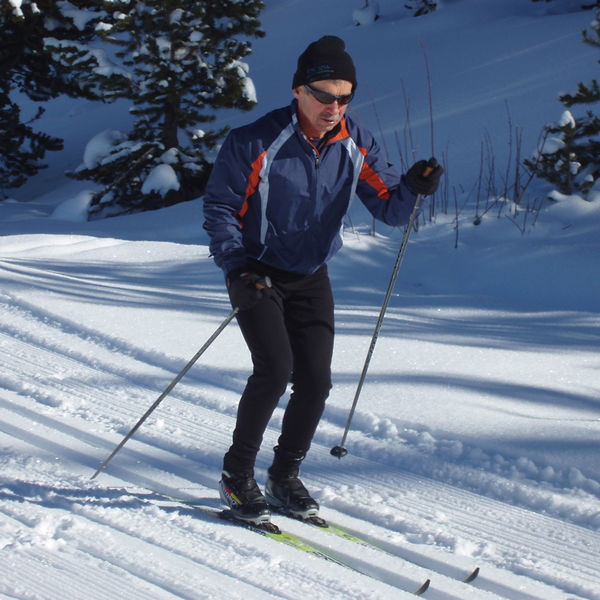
424	177
245	288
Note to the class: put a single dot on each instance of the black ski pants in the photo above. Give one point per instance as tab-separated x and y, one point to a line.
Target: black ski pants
290	336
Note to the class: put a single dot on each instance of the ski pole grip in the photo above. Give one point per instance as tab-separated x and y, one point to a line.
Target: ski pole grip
432	163
264	282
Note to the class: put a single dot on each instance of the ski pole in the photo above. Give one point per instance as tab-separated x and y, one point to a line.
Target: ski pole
168	389
340	450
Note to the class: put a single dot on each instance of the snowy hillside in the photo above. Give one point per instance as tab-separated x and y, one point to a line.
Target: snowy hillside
476	437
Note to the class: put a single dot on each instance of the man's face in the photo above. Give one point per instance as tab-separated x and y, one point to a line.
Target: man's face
316	118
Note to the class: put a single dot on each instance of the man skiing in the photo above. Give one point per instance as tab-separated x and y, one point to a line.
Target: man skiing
274	207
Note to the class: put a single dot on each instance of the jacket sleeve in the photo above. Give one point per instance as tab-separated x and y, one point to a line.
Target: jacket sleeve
380	187
223	203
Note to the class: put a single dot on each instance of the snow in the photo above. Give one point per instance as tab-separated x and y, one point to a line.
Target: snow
552	145
16	4
567	119
74	209
161	179
475	440
100	145
367	14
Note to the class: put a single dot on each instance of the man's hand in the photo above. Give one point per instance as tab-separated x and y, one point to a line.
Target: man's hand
245	288
424	177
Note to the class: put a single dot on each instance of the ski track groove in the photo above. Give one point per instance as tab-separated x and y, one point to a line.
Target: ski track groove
183	424
185	528
384	577
166	465
110	585
56	391
520	530
518	527
176	529
68	562
399	574
404	508
100	344
97	370
77	386
510	543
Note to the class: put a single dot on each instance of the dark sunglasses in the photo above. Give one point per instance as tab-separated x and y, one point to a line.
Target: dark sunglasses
327	98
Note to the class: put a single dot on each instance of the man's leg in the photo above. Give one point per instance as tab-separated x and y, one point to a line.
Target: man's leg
264	330
309	314
309	320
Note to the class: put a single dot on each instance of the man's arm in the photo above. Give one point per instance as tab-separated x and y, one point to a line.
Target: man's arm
380	187
389	197
224	200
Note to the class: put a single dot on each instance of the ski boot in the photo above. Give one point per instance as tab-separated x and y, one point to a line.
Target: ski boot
289	496
284	491
242	496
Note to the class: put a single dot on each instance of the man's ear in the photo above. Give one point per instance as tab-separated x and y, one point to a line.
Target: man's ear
296	92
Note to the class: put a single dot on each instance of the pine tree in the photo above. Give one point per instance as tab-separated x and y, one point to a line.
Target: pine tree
421	7
184	57
570	155
21	148
29	66
557	161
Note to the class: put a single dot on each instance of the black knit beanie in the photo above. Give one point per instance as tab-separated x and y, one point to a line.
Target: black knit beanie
325	59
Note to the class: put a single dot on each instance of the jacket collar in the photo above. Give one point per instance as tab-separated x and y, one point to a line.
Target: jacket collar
339	132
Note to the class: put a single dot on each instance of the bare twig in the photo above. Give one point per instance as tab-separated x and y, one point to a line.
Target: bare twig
429	90
381	136
403	164
477	220
456	215
510	150
408	137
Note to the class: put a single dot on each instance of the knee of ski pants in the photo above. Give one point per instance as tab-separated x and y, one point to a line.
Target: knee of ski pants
314	381
273	376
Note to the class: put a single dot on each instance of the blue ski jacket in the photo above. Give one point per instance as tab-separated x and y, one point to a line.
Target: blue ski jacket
272	196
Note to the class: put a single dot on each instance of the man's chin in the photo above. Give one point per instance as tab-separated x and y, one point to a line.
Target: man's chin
327	125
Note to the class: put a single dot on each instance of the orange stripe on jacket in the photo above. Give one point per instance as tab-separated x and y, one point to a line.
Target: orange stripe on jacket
341	134
253	181
367	174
